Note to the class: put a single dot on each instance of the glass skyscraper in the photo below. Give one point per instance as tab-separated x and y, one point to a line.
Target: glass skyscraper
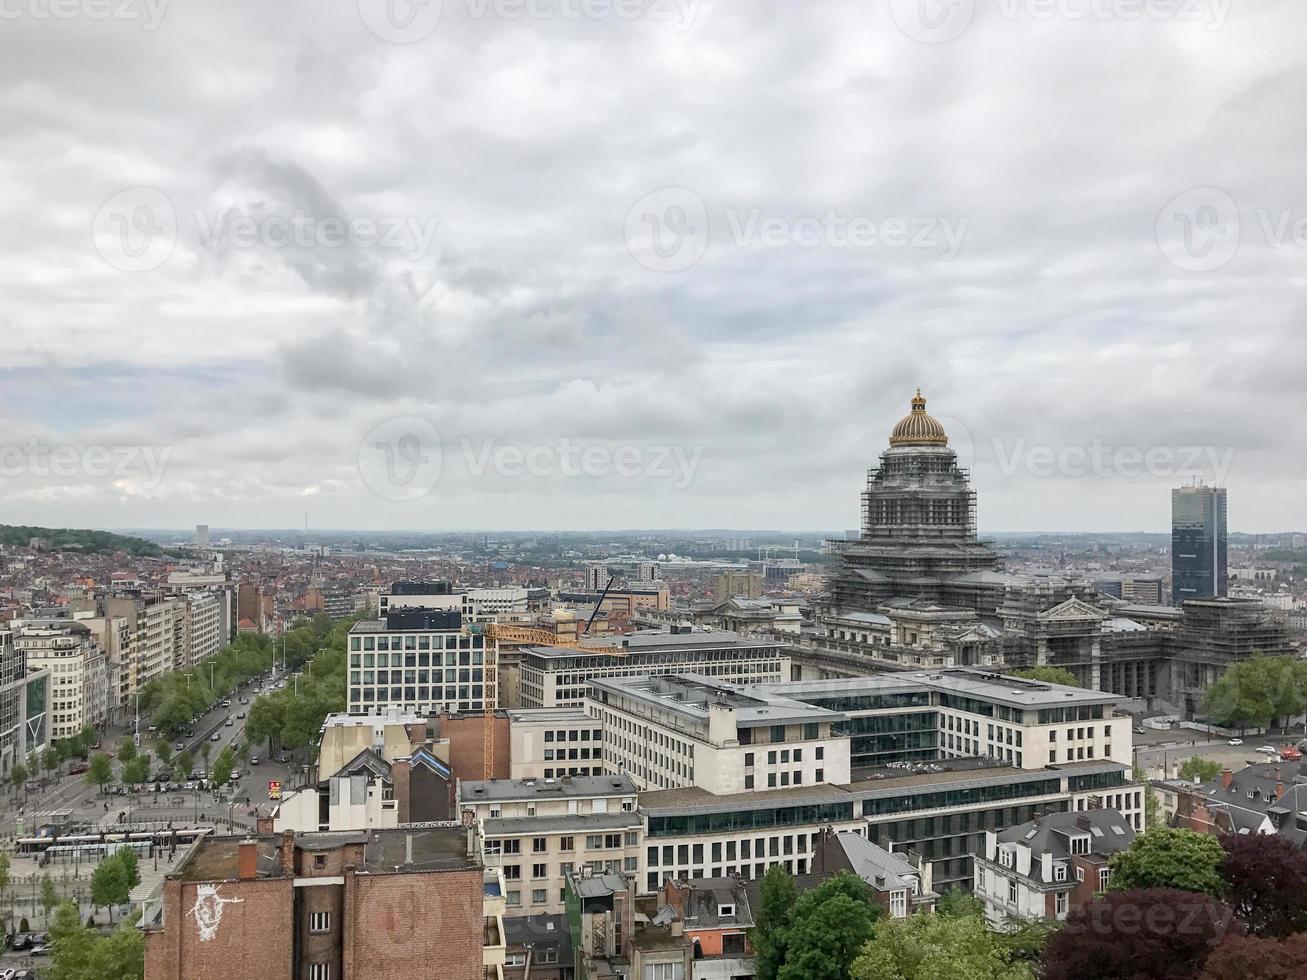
1198	543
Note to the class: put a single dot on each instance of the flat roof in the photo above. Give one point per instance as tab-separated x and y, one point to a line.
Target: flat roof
1016	692
661	642
617	784
528	716
580	822
691	695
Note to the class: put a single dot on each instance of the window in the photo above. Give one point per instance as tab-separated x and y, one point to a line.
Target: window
319	922
664	971
565	843
1059	872
319	860
1104	876
538	845
725	911
539	871
1080	845
538	896
1061	904
1012	891
898	904
319	971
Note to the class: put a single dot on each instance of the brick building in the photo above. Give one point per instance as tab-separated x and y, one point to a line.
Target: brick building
365	906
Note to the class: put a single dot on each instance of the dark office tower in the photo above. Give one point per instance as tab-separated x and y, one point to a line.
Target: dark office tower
1198	569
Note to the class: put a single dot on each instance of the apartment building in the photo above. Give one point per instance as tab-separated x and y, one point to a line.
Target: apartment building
476	605
202	628
537	832
551	743
395	903
157	626
114	637
24	706
1050	866
676	730
553	677
419	660
78	671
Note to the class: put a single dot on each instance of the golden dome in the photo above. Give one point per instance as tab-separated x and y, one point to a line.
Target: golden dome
917	428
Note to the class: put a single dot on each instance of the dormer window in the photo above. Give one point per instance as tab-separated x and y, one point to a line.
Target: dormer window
1080	845
1059	872
1005	857
726	911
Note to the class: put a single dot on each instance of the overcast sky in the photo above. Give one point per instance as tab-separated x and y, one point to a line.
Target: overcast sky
647	263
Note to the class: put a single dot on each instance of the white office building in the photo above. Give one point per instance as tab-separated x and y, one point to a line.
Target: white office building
419	660
550	743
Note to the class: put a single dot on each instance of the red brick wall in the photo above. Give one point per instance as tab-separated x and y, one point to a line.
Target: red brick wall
256	928
415	927
466	735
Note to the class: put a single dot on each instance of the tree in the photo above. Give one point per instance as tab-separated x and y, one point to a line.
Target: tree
1170	858
18	776
824	941
1257	958
50	759
772	922
1199	770
79	954
137	770
220	775
109	885
126	749
1266	883
1049	675
4	874
1254	693
185	764
1143	934
957	903
49	896
206	749
163	750
131	866
100	771
935	947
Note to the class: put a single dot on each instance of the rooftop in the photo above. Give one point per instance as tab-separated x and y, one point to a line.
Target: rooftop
473	791
661	641
529	716
1002	689
217	858
692	695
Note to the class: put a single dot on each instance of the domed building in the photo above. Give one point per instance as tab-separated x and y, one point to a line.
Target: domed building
917	575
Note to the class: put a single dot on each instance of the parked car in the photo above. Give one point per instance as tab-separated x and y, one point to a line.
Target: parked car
181	746
241	715
1235	741
254	760
41	949
1140	730
7	974
1272	750
22	940
1290	754
77	768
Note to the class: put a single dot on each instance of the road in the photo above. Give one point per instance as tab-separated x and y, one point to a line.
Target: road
1170	748
184	808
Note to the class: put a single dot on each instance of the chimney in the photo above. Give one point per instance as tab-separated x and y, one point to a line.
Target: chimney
1279	790
288	852
1227	777
408	848
1082	822
678	928
247	860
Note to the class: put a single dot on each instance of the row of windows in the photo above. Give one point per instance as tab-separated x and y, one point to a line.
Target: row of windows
948	799
781	845
574	735
412	641
695	824
450	658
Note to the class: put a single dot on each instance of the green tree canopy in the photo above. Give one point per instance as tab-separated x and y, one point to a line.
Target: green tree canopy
185	764
80	954
956	903
935	947
827	936
1049	675
126	749
1253	693
18	775
49	895
100	772
137	770
163	750
1170	858
220	775
109	885
1196	769
772	921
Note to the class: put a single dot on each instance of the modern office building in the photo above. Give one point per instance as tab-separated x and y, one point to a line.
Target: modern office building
554	677
555	742
24	706
419	660
475	605
1198	543
538	831
675	730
